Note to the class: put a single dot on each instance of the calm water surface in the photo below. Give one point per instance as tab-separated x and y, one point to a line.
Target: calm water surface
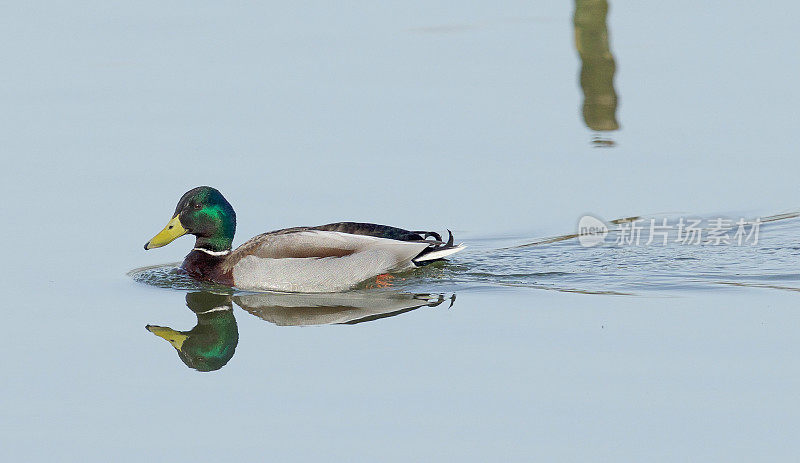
506	123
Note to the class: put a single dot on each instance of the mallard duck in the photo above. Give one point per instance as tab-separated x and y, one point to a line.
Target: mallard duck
325	258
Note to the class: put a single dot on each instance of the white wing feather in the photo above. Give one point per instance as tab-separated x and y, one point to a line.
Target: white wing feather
365	257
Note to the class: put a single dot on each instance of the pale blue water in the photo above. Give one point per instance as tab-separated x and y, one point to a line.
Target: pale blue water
420	115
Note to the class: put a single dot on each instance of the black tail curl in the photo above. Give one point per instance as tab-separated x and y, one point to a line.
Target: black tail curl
438	238
435	245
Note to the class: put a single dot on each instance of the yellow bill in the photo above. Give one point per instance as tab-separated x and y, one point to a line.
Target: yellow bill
173	337
174	229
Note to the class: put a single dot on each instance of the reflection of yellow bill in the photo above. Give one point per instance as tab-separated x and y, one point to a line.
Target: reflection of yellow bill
174	229
174	337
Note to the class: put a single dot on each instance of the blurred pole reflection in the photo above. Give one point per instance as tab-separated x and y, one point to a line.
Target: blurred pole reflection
597	67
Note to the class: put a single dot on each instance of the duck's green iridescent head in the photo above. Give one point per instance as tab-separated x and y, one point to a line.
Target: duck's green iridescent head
212	342
204	213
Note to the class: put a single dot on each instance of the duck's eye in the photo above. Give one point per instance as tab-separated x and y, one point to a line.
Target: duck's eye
197	207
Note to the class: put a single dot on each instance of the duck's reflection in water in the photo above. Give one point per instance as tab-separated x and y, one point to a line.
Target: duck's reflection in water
212	342
333	308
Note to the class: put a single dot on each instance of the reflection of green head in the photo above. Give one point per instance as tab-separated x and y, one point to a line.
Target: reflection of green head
212	342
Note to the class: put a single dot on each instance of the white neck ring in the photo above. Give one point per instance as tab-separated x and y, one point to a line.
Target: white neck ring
212	253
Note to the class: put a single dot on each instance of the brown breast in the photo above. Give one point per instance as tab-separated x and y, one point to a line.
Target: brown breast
206	267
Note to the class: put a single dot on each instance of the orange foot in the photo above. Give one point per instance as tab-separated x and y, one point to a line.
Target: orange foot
384	280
